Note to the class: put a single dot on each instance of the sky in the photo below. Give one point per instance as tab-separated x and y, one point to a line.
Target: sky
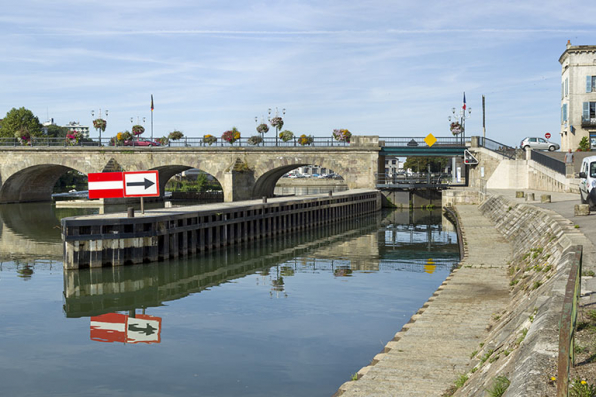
386	68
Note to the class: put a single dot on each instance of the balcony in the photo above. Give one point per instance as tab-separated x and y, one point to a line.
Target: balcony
589	122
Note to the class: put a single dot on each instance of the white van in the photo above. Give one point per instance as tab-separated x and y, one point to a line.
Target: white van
587	183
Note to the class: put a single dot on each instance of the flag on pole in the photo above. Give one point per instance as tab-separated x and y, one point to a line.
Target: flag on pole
152	102
464	107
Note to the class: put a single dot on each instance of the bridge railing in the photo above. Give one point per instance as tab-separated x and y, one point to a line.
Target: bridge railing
497	147
184	142
419	141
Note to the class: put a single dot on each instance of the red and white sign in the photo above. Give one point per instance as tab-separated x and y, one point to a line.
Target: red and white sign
105	185
116	327
141	184
547	135
123	184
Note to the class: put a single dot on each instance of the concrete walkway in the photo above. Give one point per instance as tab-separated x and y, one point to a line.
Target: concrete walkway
430	353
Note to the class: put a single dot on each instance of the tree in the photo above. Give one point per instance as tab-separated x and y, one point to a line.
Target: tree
420	164
56	131
20	121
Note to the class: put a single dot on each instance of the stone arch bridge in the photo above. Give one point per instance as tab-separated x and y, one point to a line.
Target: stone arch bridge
28	174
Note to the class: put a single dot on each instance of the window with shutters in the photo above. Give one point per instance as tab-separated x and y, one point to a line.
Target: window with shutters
589	114
590	83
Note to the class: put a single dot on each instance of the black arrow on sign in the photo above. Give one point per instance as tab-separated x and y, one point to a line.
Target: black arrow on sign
148	330
147	183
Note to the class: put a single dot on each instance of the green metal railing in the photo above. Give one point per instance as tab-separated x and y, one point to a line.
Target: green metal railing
568	322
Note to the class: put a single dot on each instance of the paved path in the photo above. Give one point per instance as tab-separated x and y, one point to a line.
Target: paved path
436	348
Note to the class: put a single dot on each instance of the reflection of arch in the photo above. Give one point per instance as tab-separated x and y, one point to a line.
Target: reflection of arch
31	184
265	184
36	222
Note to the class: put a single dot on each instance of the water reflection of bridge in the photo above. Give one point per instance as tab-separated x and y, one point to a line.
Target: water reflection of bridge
339	248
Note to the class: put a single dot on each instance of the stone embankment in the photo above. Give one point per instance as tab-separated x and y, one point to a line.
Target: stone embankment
497	315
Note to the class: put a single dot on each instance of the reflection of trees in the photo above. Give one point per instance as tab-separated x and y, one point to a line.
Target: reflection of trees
24	270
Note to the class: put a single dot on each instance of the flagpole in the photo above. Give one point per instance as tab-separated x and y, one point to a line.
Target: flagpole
151	117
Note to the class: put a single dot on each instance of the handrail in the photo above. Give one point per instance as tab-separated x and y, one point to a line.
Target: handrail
502	149
568	322
548	162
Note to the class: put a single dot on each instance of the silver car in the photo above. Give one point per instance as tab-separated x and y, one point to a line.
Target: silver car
538	144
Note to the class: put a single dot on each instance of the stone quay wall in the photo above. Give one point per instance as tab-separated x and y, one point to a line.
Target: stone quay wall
95	241
523	342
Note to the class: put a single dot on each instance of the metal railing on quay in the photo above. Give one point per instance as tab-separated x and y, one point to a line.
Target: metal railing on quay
497	147
425	178
568	323
548	162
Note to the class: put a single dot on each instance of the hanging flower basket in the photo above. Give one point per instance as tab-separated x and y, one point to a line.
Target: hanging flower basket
277	122
286	135
73	138
255	140
175	135
305	140
231	136
99	124
456	128
24	137
262	128
209	139
342	135
138	129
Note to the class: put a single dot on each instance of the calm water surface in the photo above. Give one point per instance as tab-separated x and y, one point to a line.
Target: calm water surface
294	316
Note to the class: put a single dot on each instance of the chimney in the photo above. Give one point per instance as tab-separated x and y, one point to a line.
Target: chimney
568	44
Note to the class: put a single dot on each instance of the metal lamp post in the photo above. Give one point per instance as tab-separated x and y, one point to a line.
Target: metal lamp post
283	111
99	129
461	117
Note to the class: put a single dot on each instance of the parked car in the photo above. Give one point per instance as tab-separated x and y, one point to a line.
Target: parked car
141	142
537	143
587	181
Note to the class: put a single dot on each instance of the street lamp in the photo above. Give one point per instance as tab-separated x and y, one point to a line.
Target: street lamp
278	125
138	123
99	129
460	118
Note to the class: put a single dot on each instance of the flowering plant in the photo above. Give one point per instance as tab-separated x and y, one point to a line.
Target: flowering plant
456	128
255	140
73	138
209	139
24	137
99	124
163	141
231	136
277	122
305	140
262	128
175	135
342	135
138	129
286	135
123	136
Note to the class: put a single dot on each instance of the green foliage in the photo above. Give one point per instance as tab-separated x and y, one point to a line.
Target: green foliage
500	384
20	121
420	164
584	144
56	131
70	179
461	380
581	388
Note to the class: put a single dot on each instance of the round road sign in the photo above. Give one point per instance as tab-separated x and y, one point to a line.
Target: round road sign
547	135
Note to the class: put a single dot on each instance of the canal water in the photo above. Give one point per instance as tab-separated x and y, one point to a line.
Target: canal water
292	316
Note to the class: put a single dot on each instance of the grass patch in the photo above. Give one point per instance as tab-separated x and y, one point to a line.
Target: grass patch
486	356
536	285
473	353
521	338
588	273
581	388
461	380
500	385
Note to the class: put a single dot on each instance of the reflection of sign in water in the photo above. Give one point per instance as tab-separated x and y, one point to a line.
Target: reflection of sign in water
430	266
116	327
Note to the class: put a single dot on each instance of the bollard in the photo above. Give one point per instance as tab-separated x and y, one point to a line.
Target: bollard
330	193
545	198
519	194
581	210
530	197
131	212
264	199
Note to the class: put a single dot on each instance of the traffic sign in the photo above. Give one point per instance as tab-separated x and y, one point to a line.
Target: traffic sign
141	184
469	158
547	135
116	327
105	185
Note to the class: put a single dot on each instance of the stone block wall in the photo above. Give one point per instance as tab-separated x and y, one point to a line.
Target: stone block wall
523	343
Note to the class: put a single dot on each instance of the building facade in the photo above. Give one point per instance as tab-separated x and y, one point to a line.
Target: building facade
578	96
76	126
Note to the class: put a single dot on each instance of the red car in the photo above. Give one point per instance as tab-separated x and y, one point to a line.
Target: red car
141	142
